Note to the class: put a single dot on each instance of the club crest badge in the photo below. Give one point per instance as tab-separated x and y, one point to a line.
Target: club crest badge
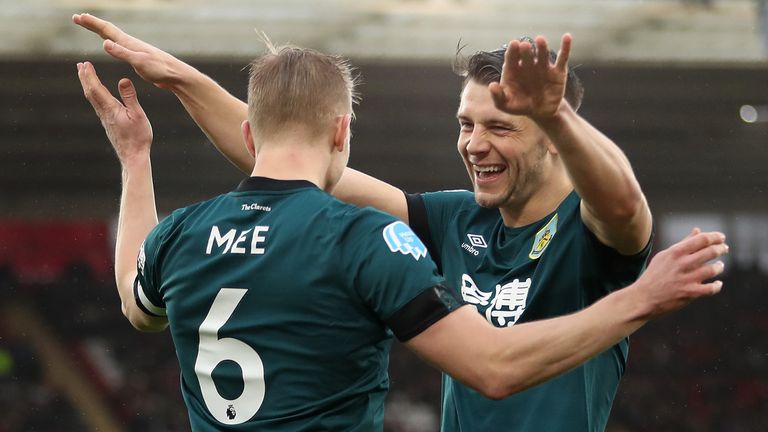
400	238
543	238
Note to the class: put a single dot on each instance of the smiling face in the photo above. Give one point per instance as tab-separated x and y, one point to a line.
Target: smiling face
506	156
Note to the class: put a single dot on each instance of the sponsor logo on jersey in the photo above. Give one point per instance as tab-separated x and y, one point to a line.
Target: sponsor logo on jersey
255	206
508	303
505	304
543	238
400	238
471	293
231	413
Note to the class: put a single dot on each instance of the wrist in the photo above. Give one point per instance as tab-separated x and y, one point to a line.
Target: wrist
182	78
135	160
636	303
554	122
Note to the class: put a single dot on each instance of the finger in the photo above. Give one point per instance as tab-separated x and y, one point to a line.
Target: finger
526	54
694	231
511	59
95	92
713	287
498	95
561	63
542	52
128	95
708	254
699	241
708	271
105	29
118	51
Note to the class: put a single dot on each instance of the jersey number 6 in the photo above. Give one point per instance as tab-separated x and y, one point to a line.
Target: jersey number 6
213	351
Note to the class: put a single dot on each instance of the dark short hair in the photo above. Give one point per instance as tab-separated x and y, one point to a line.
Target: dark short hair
484	67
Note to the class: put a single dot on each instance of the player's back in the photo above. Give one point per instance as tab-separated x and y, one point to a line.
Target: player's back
265	293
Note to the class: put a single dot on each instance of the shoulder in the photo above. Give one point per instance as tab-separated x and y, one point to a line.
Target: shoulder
442	204
453	196
366	218
177	218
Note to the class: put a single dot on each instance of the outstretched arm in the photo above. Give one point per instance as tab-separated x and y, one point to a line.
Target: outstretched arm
499	362
613	205
219	114
130	133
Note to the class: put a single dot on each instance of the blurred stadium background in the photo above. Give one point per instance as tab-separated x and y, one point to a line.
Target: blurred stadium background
680	85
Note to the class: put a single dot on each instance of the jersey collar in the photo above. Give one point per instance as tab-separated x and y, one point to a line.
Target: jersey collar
265	183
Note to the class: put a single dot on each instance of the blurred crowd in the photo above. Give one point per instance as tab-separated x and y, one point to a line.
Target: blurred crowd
702	369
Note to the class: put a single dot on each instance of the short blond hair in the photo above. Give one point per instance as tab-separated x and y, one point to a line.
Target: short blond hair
293	85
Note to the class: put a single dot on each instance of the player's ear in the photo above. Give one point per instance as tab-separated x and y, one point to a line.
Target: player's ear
248	137
341	137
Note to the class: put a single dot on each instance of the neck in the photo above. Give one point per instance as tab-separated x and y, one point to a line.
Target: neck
539	202
288	159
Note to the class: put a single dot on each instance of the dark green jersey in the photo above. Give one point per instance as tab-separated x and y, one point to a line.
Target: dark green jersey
549	268
280	301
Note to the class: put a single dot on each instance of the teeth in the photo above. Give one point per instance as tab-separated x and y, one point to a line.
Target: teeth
486	169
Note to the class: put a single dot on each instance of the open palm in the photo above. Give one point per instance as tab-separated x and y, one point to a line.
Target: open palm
530	85
126	124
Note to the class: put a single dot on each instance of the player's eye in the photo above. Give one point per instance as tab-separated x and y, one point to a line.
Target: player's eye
500	130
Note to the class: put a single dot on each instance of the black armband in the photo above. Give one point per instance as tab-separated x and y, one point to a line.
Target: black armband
424	310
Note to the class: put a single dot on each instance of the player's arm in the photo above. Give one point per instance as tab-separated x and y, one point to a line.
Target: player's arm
613	205
130	133
501	361
219	114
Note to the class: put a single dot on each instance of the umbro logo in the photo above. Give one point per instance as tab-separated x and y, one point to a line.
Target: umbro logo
477	240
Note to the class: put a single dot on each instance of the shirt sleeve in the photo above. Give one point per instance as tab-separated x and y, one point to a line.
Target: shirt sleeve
395	276
429	215
146	287
608	265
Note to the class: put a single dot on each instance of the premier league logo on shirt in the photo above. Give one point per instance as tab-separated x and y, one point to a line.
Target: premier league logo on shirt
400	238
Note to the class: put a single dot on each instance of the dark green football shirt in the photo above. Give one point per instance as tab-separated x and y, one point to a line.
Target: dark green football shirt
281	302
552	267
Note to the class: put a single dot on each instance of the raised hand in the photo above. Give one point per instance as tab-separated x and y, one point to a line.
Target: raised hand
530	85
683	272
127	127
150	63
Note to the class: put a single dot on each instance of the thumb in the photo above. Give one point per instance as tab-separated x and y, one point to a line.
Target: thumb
497	94
128	95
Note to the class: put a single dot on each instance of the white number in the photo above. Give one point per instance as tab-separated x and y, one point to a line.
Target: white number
213	351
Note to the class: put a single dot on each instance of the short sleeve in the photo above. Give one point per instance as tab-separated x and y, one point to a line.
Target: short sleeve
431	213
390	263
146	287
624	269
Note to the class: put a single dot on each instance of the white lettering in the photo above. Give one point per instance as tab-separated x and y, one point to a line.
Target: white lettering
216	236
470	249
239	249
237	246
255	206
258	240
